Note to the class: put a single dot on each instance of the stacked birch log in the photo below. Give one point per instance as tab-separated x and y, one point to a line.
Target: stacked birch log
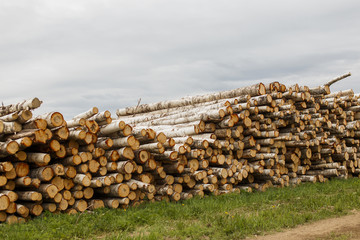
245	139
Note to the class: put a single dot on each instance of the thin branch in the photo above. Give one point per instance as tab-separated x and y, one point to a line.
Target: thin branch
138	104
337	79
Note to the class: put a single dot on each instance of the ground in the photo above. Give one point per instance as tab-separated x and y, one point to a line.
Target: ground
340	228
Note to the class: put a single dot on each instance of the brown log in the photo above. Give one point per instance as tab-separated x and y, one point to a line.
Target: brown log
42	173
29	196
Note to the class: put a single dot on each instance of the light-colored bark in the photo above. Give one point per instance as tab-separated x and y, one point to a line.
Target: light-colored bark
113	127
42	173
91	112
24	105
254	90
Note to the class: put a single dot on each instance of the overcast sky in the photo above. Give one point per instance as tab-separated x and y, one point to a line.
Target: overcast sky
74	55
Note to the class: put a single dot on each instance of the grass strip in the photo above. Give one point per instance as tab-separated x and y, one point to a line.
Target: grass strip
231	216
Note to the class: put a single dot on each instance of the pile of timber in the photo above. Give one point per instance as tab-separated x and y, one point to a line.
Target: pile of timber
245	139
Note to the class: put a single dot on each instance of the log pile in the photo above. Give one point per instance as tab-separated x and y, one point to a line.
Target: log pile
245	139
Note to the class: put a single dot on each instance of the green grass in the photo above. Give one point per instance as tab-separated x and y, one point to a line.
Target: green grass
230	216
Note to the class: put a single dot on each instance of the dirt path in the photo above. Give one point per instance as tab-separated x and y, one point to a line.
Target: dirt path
347	227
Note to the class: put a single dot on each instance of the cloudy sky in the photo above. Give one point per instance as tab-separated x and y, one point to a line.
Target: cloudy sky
77	54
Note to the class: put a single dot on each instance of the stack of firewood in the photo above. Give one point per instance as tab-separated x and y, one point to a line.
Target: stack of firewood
245	139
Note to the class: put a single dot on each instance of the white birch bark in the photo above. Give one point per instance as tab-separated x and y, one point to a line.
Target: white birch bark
24	105
254	90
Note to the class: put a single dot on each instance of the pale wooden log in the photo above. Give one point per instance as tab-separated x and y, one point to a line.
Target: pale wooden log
101	116
77	134
326	172
125	153
195	192
95	204
178	112
3	216
88	192
144	186
181	132
187	117
13	196
1	127
92	126
8	148
334	165
6	166
164	190
82	179
53	119
91	112
61	133
112	203
24	142
113	127
23	181
174	168
119	190
59	182
105	143
22	210
75	122
129	141
48	190
37	136
29	195
42	173
105	122
167	155
24	116
24	105
11	127
9	117
341	95
40	159
307	178
254	90
72	160
337	79
21	169
11	219
51	207
80	205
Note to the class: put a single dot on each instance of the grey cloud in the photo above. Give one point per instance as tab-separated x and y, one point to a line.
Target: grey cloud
78	54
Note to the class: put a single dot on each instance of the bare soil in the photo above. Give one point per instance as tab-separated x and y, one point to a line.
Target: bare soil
340	228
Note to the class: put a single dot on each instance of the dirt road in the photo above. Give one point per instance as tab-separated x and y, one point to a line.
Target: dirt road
347	227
